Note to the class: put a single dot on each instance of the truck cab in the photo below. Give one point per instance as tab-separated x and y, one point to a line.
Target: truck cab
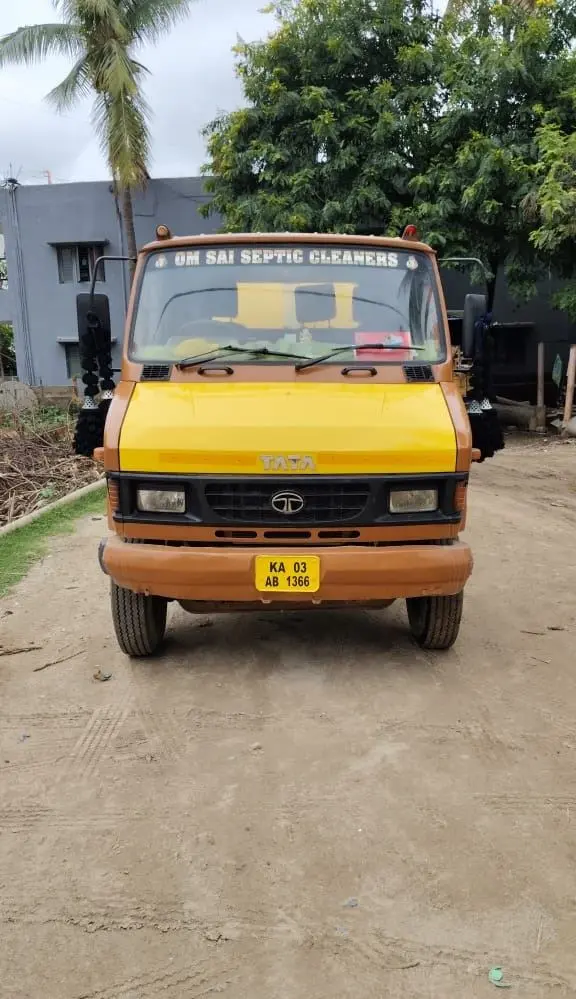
287	433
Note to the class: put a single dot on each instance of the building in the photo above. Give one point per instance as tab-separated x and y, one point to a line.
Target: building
53	235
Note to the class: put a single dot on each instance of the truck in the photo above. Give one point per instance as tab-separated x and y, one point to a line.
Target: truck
291	430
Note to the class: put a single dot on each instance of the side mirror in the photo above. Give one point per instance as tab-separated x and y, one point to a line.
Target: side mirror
315	303
94	329
475	306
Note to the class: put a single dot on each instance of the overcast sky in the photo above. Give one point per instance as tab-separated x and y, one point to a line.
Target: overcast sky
192	78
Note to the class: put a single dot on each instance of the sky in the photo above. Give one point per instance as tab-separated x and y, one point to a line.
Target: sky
192	79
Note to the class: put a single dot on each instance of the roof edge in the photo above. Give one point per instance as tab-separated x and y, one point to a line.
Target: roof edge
176	242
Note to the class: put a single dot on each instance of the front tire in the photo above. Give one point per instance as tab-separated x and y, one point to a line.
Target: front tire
435	621
139	621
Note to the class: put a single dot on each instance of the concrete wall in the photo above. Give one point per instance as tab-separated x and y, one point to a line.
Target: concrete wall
36	217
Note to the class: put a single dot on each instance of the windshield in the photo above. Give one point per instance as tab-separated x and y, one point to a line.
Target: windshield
301	299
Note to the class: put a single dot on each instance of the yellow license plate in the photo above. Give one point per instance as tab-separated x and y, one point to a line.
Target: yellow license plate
287	573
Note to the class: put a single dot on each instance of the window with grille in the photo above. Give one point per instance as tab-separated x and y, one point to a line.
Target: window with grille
76	264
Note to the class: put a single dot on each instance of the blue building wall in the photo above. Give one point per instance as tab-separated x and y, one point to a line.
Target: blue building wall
35	219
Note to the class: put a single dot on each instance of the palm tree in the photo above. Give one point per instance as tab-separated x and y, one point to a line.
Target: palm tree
102	37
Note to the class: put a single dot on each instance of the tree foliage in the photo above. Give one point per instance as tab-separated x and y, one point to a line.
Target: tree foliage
502	72
555	194
7	353
362	115
552	205
335	126
457	7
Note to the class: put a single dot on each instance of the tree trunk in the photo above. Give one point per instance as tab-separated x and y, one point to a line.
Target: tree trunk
131	247
494	265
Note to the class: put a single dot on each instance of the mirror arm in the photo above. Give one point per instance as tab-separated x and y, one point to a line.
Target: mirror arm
465	260
97	265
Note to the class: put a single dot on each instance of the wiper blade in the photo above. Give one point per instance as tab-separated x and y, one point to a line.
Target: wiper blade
209	355
310	361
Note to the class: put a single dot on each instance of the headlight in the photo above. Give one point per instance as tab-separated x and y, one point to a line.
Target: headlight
161	501
413	500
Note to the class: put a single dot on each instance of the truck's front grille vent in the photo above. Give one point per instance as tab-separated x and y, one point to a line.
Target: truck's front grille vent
287	502
155	372
418	373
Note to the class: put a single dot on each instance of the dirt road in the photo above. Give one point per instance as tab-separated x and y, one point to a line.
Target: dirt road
300	807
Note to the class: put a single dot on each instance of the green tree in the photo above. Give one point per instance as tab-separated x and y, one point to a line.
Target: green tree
103	38
551	206
362	115
336	122
458	6
501	72
7	355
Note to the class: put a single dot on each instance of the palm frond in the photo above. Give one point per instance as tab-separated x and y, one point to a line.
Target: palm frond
96	20
33	43
76	86
113	70
148	20
121	123
78	10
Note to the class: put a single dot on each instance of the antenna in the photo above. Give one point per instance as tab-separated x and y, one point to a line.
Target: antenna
11	177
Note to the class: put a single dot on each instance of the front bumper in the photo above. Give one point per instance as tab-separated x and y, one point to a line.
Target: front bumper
348	573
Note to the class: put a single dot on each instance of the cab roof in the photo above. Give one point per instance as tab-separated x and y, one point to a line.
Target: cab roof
224	239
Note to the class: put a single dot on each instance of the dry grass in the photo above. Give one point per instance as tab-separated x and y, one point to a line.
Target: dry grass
37	464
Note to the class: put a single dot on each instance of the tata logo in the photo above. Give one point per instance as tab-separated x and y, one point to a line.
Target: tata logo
287	503
287	463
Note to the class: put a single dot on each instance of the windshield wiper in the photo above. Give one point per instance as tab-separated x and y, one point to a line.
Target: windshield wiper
310	361
189	362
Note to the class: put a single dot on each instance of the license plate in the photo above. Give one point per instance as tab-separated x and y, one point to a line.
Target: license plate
287	573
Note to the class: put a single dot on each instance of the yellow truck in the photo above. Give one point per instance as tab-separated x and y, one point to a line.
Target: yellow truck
288	432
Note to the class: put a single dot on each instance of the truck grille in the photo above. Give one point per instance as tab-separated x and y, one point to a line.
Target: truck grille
253	502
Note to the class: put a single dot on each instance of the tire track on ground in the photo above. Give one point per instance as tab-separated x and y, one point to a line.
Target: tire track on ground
380	952
529	803
26	817
165	980
98	736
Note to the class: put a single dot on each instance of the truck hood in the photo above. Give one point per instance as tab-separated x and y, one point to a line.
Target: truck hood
256	428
